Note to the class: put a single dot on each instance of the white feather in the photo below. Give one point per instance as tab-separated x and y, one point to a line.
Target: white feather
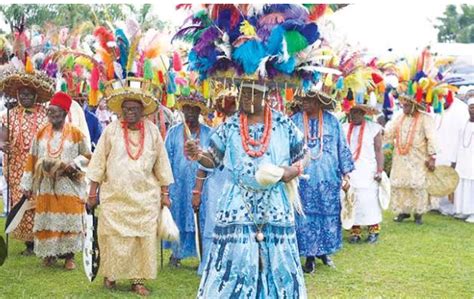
167	229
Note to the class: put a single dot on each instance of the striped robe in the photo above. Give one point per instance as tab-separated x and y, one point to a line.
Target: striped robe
60	202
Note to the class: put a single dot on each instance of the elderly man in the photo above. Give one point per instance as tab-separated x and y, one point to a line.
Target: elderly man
365	141
53	180
254	249
131	167
183	190
23	122
319	232
413	135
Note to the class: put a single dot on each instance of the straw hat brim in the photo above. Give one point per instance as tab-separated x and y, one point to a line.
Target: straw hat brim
368	110
41	84
326	101
115	100
419	106
180	103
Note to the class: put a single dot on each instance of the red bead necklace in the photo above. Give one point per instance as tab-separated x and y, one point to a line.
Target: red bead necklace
404	149
264	142
64	133
356	154
127	140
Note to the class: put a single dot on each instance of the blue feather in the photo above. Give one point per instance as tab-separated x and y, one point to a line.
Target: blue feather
311	33
386	99
171	88
249	55
275	40
286	67
124	47
419	75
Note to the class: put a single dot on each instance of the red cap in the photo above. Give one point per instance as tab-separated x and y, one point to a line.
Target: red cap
62	100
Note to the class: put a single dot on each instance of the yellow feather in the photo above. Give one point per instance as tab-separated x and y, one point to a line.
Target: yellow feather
247	29
132	53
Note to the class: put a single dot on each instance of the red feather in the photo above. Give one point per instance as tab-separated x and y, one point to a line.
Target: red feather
419	94
94	80
377	78
104	36
183	6
177	65
160	77
449	97
317	11
235	13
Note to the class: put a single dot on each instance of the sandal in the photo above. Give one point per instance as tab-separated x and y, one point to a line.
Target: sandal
49	261
140	289
109	284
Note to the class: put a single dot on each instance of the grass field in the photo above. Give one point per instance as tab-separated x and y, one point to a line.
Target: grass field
435	260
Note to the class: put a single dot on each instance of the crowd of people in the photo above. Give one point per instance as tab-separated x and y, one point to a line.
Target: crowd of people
258	149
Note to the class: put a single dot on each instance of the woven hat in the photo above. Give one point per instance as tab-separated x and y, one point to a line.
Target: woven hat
421	81
17	76
135	89
442	182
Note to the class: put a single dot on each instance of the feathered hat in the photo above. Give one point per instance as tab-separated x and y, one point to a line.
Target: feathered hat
21	71
421	82
242	42
130	61
76	73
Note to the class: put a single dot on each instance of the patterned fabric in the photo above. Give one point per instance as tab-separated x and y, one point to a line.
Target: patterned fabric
408	174
129	200
216	182
23	123
409	200
320	231
116	254
232	269
181	190
58	228
374	229
356	230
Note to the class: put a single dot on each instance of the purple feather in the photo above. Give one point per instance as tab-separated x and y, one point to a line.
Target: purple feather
207	38
52	69
187	32
296	11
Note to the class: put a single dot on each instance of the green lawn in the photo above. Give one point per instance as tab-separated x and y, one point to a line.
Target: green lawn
432	260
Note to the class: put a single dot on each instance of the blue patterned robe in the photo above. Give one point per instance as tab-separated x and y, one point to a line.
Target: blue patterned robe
232	268
184	171
320	231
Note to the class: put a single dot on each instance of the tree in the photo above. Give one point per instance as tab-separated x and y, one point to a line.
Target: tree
455	26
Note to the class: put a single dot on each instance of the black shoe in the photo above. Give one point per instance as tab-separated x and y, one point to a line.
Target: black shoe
418	220
327	261
354	239
309	266
372	238
175	262
401	217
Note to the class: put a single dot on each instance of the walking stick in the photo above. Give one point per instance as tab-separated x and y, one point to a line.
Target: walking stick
161	253
3	244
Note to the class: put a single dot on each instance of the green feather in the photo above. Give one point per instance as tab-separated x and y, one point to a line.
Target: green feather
295	41
69	63
64	86
148	70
